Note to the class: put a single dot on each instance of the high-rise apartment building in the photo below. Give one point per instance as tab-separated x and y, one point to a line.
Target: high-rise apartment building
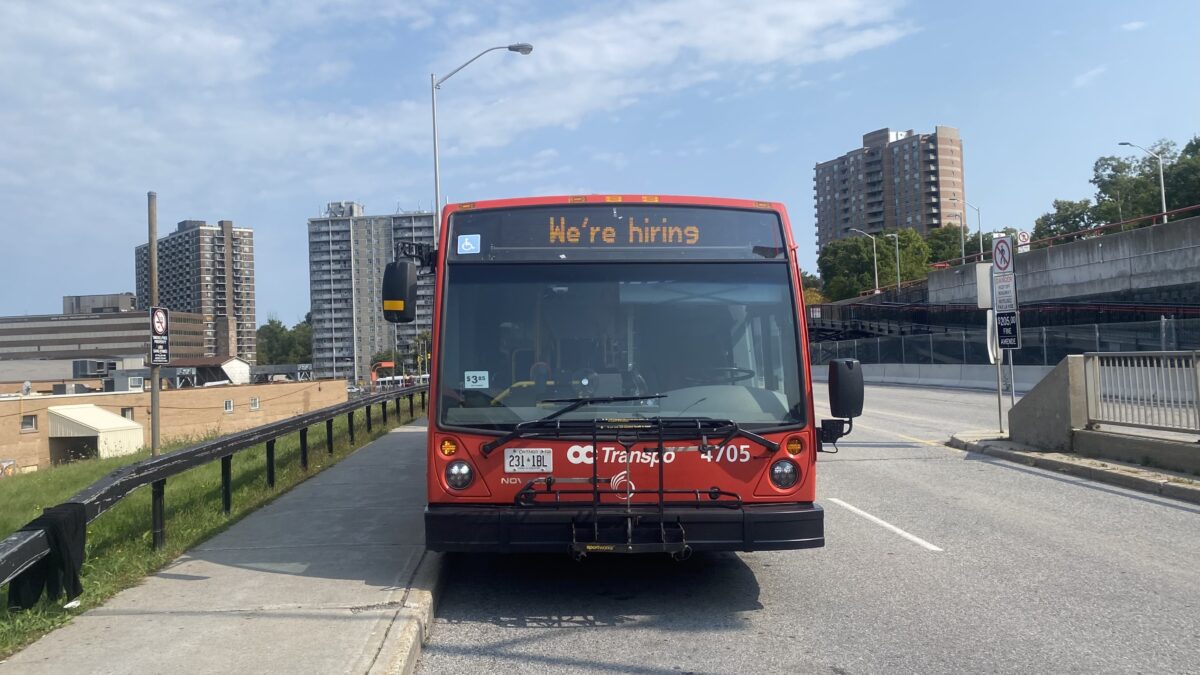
347	254
896	180
207	270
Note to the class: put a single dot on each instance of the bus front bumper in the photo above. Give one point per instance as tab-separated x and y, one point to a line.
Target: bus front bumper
508	529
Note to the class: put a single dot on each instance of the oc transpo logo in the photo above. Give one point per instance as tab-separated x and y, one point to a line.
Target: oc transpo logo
579	454
621	482
609	454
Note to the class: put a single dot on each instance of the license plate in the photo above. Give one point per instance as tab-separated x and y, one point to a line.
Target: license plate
528	460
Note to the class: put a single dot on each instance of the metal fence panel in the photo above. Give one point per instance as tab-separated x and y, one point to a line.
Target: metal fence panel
891	350
1148	390
1042	346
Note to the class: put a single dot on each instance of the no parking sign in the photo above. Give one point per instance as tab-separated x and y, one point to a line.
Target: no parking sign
1004	294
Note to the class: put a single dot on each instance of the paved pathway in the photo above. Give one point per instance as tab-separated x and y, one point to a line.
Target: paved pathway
311	583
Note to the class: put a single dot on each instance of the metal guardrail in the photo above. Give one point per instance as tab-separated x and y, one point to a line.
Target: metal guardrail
1147	390
21	549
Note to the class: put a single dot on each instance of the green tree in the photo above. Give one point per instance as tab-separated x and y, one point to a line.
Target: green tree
946	243
1128	187
301	351
812	289
914	257
1183	178
273	342
810	281
1068	217
277	344
846	267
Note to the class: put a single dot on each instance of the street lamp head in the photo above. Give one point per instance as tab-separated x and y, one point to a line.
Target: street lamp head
1124	143
521	48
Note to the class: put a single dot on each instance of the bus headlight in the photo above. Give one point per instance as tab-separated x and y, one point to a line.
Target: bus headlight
784	474
458	474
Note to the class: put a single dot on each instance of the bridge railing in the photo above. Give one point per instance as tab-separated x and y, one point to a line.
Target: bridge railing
24	548
1145	390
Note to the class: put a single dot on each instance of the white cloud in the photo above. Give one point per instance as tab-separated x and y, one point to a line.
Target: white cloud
604	58
1133	25
262	111
1084	79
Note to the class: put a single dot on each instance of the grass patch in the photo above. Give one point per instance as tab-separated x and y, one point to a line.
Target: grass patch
22	497
119	552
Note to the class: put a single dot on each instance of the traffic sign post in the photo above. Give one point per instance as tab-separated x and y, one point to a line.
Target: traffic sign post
1004	294
160	337
1008	316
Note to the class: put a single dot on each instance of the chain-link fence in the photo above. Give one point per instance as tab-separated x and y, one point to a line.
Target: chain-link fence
1042	346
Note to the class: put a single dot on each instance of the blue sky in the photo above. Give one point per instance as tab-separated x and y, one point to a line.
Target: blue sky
261	112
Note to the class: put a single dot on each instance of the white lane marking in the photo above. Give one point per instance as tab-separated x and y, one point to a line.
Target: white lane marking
884	524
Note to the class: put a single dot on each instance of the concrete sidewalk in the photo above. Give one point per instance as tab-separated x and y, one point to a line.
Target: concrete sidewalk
1123	474
329	578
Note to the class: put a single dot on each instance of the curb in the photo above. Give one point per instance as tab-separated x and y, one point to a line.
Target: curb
1141	480
410	626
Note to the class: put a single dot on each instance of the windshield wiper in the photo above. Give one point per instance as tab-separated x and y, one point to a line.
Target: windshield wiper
573	404
731	429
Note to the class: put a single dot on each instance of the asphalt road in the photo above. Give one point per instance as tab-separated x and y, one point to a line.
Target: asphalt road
978	565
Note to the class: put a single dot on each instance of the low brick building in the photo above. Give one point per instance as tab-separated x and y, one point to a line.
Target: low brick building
191	413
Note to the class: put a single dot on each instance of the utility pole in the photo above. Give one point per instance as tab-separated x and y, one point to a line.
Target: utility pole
155	371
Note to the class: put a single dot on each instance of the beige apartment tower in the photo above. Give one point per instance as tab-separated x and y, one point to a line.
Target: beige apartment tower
896	180
207	270
347	253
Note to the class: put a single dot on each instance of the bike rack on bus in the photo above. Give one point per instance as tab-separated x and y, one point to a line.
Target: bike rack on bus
671	537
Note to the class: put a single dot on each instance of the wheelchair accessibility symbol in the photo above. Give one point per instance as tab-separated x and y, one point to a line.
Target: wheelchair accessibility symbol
468	244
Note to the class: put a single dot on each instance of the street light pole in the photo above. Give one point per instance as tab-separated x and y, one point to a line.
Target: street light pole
962	233
435	83
1162	186
896	238
979	222
874	255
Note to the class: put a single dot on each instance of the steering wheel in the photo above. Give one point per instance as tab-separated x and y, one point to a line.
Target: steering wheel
721	375
632	383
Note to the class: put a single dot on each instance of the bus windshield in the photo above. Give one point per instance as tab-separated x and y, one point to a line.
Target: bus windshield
717	340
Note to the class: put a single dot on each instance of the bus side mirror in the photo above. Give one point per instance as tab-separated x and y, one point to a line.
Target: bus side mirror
400	291
845	401
845	388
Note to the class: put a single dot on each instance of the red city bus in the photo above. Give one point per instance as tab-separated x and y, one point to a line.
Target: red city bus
620	373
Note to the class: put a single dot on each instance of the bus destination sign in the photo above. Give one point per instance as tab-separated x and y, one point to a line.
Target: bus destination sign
594	232
630	232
